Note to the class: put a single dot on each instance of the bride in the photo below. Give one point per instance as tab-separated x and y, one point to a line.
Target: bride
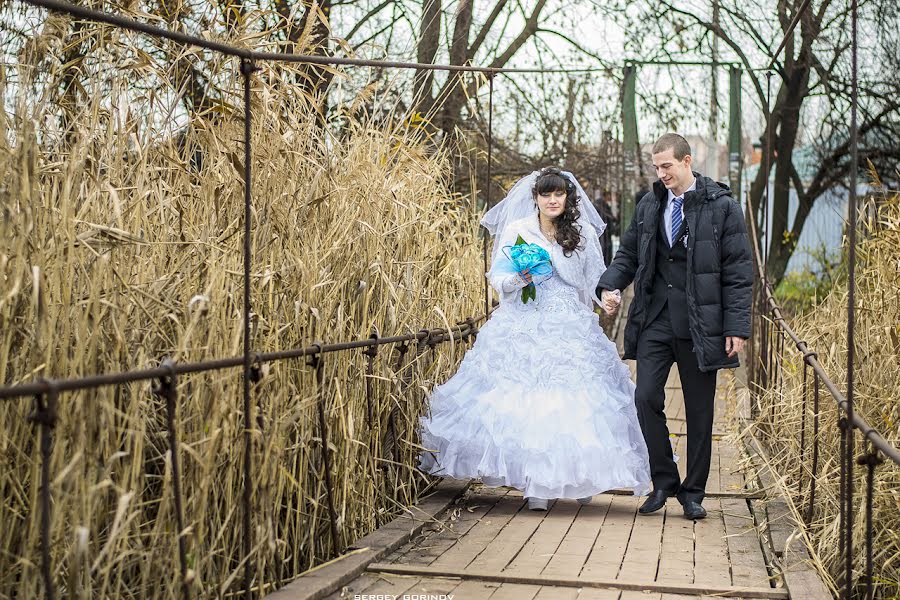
541	402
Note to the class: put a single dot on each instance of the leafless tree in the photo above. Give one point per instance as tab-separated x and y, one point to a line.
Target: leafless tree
810	92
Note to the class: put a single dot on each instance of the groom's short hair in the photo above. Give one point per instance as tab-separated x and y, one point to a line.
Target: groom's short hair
679	145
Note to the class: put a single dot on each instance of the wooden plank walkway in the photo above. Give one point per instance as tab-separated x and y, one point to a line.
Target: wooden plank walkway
489	545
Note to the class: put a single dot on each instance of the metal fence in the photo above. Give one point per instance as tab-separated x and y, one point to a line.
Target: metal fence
47	393
770	333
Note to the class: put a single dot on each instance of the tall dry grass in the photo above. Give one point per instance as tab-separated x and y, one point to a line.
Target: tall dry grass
118	247
876	384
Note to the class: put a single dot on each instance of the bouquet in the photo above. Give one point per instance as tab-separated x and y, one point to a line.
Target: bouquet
533	258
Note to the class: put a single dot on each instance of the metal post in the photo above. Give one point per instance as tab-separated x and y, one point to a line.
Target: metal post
167	389
815	458
371	353
247	68
802	460
870	460
317	362
45	416
630	148
842	522
487	200
770	125
472	332
735	162
851	288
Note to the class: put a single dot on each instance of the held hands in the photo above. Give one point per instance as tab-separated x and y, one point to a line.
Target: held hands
733	345
611	300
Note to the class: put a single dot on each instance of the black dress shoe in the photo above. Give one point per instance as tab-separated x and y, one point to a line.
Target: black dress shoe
655	501
693	511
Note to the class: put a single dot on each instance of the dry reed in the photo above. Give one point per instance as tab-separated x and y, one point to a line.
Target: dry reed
877	379
120	244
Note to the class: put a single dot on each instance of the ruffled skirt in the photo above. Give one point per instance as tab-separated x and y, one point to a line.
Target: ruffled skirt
542	403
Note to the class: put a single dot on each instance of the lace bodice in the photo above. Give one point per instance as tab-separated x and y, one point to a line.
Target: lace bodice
553	296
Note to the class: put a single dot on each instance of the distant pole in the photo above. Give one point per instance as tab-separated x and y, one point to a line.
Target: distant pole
630	147
735	162
712	159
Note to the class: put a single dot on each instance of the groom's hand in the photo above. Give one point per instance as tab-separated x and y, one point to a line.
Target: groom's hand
611	301
733	345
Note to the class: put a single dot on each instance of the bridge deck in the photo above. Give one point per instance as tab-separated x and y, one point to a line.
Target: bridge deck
489	545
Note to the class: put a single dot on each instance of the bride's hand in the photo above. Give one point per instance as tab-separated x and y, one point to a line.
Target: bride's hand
611	301
526	275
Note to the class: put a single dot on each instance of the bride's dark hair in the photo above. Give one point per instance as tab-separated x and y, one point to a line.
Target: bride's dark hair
568	234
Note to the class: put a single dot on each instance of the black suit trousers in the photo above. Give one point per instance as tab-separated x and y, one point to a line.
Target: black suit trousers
658	348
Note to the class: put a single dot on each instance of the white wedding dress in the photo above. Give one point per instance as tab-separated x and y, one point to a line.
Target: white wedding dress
541	402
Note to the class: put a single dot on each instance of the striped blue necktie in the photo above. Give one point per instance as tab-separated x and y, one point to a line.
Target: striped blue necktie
676	217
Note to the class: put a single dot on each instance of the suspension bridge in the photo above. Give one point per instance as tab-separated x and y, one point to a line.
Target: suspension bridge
474	542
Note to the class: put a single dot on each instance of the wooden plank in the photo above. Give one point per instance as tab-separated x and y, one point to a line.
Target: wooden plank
515	591
678	427
432	587
575	548
714	483
474	590
403	528
780	523
641	560
731	473
675	401
605	558
391	585
509	541
474	542
674	378
742	394
758	510
627	492
599	594
676	559
748	566
800	576
643	595
542	546
557	593
676	588
357	586
333	575
438	537
680	450
711	564
683	597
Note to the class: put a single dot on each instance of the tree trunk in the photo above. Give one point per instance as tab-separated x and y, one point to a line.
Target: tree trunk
429	40
452	106
472	84
316	78
570	120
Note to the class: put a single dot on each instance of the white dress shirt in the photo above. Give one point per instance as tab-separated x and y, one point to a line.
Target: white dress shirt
667	216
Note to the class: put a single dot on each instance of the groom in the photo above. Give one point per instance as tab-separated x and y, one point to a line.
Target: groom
689	257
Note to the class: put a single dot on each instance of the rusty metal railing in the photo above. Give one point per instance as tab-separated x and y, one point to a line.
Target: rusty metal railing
770	333
46	393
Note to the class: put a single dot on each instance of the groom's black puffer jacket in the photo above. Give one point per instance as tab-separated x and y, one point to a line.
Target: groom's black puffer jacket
719	272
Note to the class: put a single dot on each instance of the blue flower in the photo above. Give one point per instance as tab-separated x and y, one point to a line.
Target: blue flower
532	257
